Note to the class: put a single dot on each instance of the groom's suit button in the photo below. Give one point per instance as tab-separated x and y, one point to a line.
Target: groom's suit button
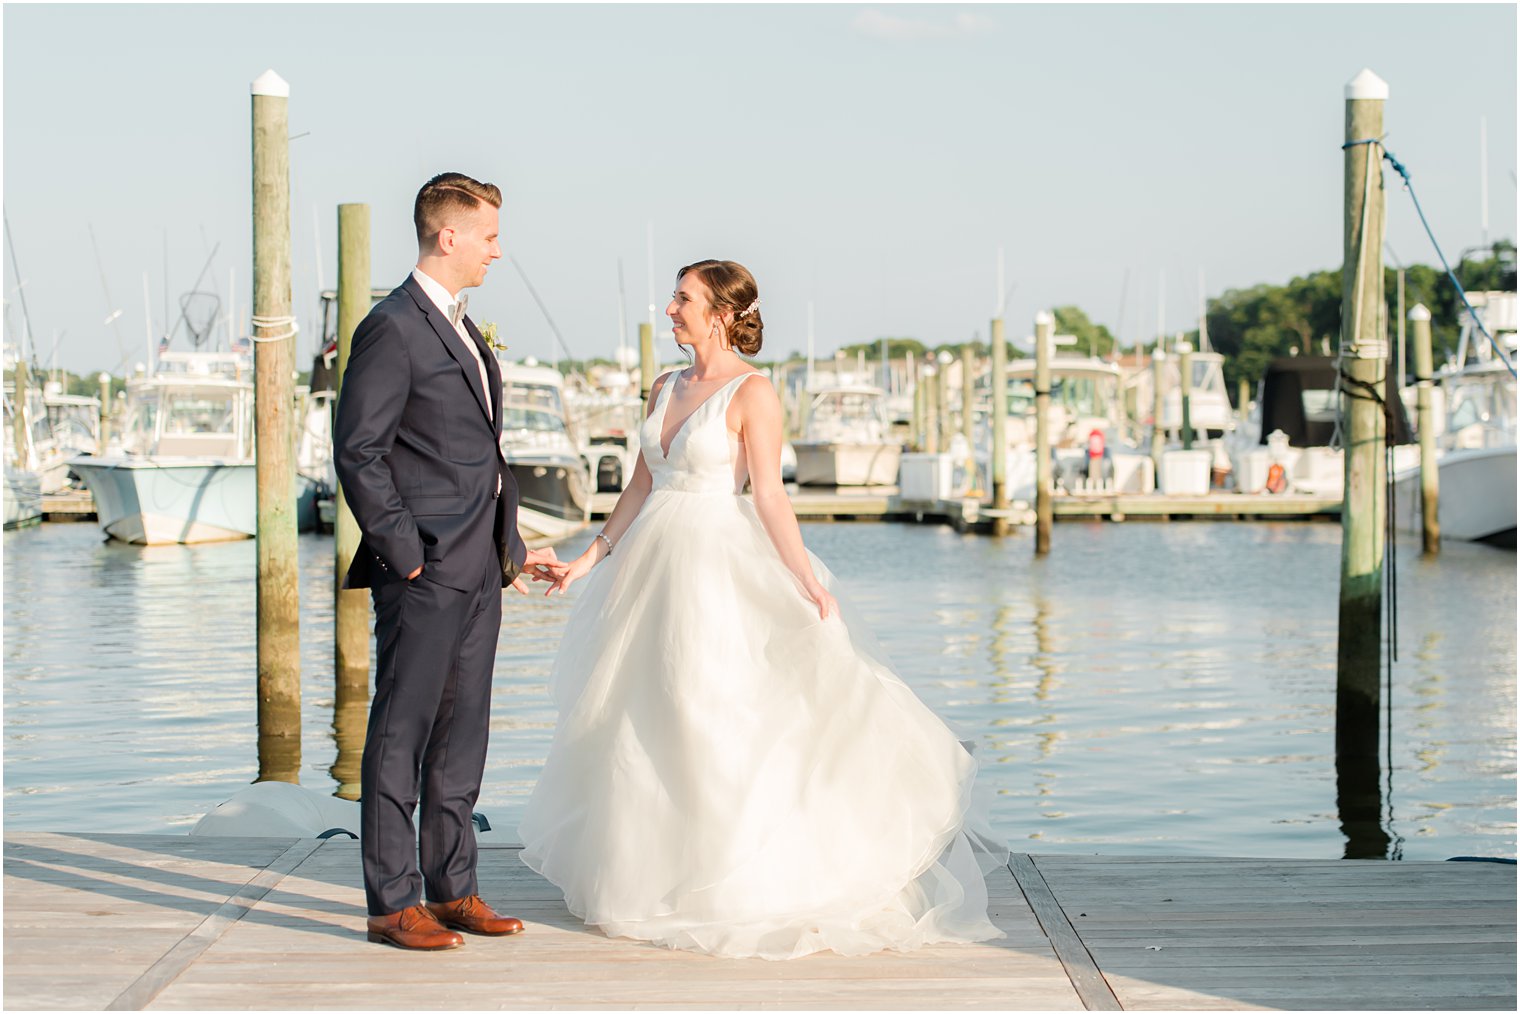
414	929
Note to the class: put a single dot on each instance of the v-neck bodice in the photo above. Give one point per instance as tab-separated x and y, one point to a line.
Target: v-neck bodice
702	456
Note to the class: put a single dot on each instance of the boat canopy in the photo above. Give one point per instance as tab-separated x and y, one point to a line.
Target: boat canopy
1298	397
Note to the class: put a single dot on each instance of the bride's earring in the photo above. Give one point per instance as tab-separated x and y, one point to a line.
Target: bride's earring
722	335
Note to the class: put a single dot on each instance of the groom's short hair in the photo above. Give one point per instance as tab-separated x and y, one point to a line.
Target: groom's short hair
446	195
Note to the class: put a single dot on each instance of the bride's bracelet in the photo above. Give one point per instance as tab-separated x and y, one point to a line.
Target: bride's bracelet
603	537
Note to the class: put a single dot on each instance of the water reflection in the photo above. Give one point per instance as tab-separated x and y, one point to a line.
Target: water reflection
350	718
1359	802
1163	689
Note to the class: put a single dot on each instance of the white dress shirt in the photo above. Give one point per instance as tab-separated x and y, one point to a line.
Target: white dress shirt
445	301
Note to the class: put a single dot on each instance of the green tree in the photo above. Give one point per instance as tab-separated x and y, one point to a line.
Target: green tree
896	348
1092	339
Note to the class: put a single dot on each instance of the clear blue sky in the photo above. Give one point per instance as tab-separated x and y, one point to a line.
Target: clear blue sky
871	159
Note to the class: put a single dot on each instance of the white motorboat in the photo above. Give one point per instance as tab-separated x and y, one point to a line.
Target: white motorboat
23	490
553	479
57	428
1092	446
847	440
1475	435
185	472
1291	445
23	497
73	428
316	474
605	413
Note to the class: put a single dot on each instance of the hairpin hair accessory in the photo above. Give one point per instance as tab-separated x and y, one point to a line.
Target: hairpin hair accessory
751	308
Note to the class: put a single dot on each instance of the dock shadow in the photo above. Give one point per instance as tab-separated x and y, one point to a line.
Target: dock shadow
83	870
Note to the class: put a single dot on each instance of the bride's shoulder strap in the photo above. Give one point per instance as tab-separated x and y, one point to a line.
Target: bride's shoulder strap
659	383
738	384
744	377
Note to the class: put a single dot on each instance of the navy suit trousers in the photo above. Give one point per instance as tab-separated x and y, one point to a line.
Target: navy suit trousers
428	726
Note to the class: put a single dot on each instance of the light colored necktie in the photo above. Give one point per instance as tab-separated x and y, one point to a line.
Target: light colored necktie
456	311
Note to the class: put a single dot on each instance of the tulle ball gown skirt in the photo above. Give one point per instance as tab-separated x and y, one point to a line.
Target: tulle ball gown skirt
730	774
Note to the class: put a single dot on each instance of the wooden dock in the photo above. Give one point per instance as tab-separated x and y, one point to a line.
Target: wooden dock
69	505
127	922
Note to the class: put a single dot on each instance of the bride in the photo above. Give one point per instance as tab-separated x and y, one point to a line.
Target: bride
736	769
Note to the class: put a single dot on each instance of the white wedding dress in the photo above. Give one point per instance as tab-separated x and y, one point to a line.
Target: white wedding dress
731	774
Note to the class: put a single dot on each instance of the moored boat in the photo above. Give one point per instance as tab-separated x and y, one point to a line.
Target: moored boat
847	440
1474	435
185	471
553	480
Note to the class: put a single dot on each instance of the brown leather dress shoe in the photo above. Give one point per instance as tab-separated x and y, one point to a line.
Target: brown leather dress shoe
474	916
414	929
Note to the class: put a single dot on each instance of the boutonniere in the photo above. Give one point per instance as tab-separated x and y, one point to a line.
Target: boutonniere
488	332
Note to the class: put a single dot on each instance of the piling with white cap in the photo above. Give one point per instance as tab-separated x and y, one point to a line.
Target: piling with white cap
274	367
1430	472
1364	354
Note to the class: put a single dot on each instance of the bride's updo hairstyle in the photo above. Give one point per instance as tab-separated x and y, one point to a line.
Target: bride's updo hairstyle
733	289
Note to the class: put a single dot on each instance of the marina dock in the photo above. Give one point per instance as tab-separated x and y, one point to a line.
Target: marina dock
131	922
884	503
69	505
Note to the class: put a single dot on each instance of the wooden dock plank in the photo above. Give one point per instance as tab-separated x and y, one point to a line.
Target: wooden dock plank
280	959
181	955
1080	967
86	915
1254	933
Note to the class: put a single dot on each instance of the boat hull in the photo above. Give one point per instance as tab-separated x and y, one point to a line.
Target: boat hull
167	501
835	464
23	499
553	496
1477	495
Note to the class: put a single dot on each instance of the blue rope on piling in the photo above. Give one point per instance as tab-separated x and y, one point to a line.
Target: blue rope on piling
1398	167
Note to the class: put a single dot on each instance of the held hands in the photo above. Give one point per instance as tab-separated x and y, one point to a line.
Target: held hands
575	570
540	565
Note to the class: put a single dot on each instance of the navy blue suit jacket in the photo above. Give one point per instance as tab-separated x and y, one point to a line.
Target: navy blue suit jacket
418	455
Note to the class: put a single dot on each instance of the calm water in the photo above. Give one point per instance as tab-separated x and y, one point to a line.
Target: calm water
1150	688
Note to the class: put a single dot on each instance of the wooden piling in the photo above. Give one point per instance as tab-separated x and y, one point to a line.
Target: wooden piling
932	383
997	451
944	421
1243	398
920	414
21	422
1158	405
104	440
1044	509
647	364
1363	355
1401	359
1185	389
1430	473
279	647
351	605
968	417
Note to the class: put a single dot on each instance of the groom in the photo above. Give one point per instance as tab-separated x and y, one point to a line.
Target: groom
417	448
